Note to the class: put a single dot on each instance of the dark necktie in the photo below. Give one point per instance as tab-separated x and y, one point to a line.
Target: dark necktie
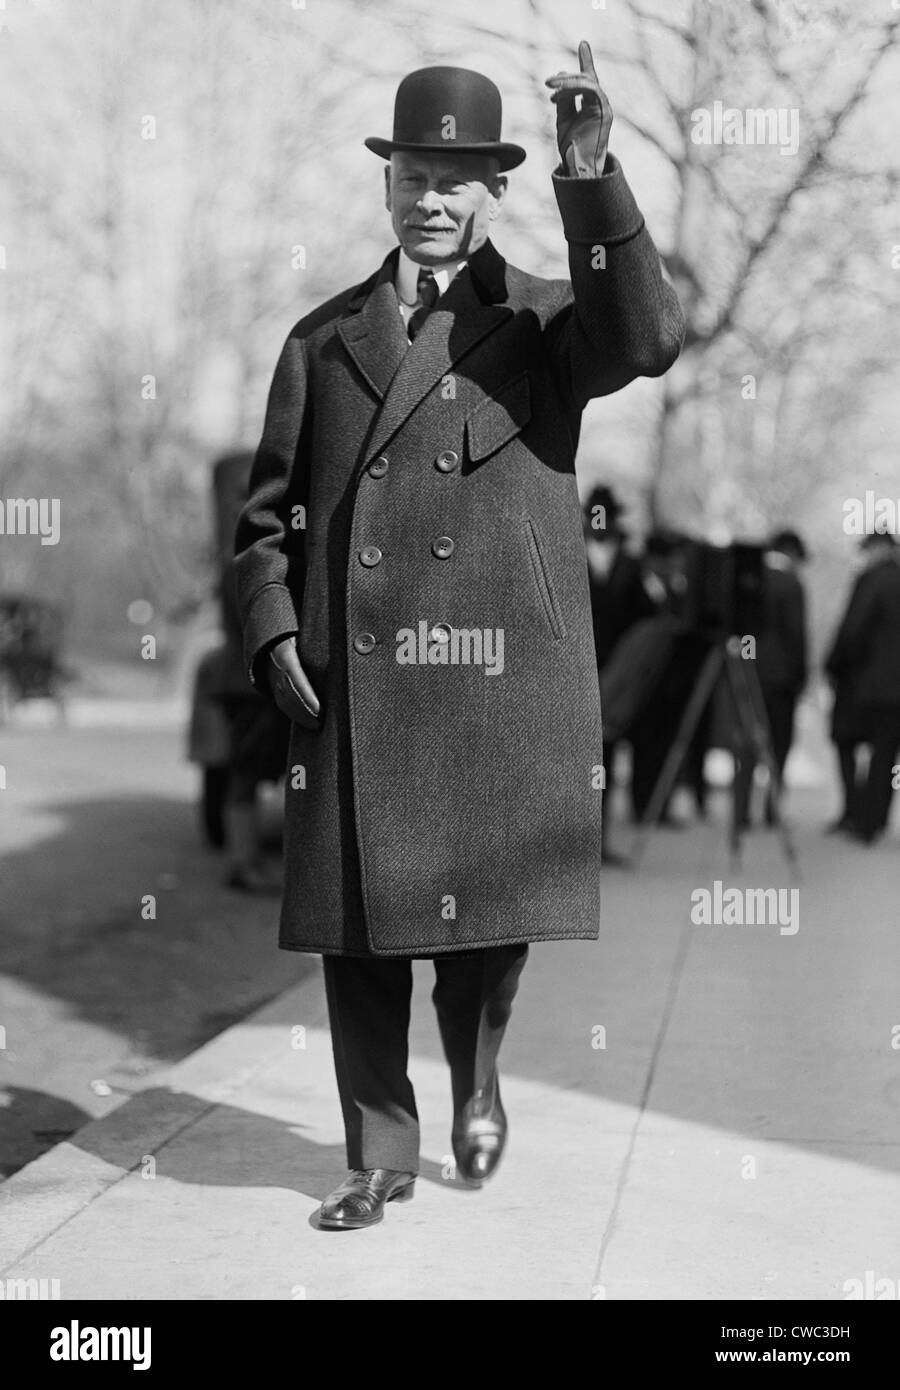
427	294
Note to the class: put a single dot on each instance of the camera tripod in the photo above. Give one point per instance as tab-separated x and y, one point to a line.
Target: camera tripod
750	720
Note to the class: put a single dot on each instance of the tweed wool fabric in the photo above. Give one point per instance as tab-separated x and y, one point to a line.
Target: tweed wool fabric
444	807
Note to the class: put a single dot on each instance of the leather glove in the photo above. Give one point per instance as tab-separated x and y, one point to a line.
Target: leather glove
582	135
290	685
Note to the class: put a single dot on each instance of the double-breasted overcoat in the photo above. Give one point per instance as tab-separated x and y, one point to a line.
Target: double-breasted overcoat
414	518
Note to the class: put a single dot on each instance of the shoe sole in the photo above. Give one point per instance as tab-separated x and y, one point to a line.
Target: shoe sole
403	1194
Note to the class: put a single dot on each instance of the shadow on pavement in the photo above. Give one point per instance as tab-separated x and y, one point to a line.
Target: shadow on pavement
778	1038
94	989
32	1122
237	1148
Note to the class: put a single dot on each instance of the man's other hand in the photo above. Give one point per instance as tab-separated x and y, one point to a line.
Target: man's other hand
291	689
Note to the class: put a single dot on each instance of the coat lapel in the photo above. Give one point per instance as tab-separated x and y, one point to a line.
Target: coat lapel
472	308
373	331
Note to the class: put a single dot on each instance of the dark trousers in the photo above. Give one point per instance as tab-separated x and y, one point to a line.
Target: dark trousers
780	707
873	797
846	753
655	729
368	1008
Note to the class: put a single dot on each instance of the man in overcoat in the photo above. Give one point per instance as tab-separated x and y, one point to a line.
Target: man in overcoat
781	659
866	652
413	586
619	600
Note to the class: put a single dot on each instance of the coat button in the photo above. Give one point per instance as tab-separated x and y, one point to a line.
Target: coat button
378	467
370	556
446	461
441	632
364	642
442	547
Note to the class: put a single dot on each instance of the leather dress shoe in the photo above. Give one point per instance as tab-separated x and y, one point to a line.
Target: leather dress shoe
361	1198
479	1135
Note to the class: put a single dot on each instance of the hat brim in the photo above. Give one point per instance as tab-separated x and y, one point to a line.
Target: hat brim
509	155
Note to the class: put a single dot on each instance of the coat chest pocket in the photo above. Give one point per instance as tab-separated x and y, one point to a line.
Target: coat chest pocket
543	580
497	420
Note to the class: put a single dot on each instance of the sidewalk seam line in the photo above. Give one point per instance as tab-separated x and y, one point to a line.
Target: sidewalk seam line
667	1011
243	1078
107	1187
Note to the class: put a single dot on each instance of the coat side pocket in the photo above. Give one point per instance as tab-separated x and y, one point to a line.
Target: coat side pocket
543	581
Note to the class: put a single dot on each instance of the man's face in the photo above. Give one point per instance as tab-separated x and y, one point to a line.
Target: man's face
441	205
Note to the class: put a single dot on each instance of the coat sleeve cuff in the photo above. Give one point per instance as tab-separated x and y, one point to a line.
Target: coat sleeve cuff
601	209
271	616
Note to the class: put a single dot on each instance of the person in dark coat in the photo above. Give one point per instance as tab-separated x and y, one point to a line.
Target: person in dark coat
655	725
411	575
619	599
258	732
865	657
781	657
848	728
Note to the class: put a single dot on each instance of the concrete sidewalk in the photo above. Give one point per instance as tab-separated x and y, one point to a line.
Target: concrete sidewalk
696	1112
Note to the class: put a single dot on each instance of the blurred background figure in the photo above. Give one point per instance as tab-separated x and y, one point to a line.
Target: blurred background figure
864	666
31	636
619	600
239	738
781	660
619	597
655	726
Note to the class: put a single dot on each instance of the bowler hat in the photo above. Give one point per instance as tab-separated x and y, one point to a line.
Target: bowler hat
448	109
789	542
877	538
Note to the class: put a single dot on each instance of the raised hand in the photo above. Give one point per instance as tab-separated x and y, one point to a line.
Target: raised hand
291	689
581	133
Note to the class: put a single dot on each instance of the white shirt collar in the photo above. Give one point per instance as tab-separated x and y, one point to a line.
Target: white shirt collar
407	278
